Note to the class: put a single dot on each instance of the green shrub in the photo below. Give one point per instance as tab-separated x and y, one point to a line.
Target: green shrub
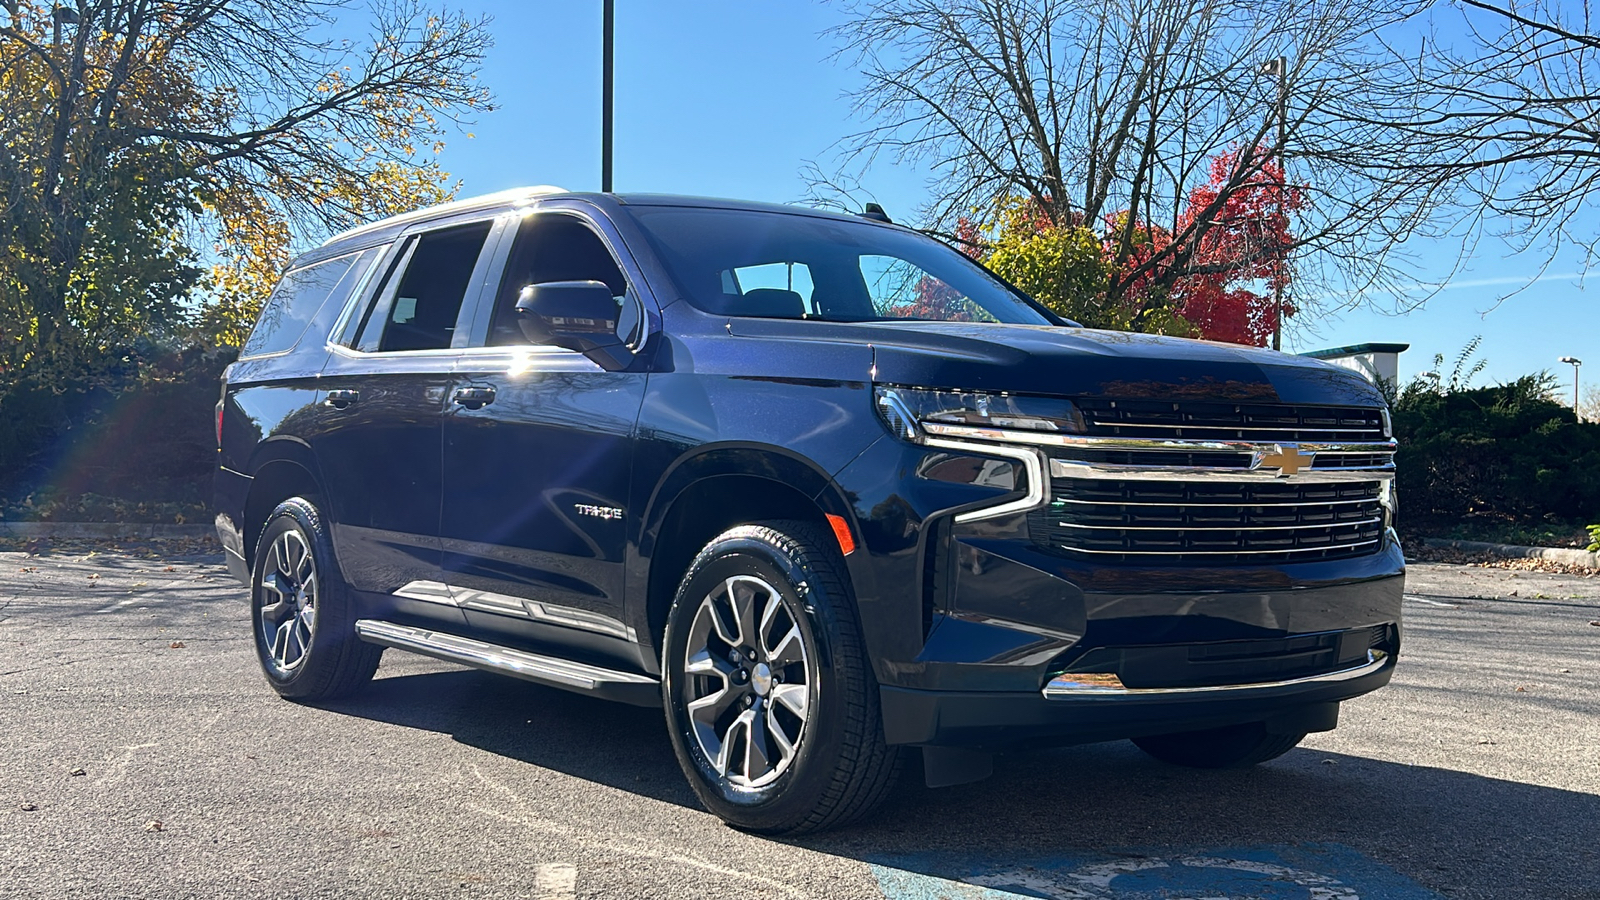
130	444
1508	452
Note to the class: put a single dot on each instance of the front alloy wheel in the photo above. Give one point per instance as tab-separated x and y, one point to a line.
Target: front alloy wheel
748	683
771	701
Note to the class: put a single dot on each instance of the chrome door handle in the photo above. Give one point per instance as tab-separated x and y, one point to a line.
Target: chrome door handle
474	397
341	399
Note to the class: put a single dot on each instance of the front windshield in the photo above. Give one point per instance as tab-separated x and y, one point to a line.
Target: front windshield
796	266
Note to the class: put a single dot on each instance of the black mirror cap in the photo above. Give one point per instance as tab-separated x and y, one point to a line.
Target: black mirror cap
577	315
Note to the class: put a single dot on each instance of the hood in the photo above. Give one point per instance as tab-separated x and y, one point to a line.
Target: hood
1078	362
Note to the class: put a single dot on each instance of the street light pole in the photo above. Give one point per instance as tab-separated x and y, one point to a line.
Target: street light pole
608	27
1574	362
1280	68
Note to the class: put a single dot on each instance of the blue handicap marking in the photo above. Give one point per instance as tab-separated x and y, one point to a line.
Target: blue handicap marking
1301	872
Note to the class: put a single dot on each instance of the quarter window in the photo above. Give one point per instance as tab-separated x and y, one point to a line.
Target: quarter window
297	299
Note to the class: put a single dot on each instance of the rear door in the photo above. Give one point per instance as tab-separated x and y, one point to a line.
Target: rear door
384	392
538	443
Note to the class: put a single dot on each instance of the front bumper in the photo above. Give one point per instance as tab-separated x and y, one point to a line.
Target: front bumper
995	720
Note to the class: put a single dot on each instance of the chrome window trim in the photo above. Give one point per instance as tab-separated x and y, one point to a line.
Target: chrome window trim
1069	685
1032	464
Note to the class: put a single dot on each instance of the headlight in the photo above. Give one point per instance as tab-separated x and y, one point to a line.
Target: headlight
909	412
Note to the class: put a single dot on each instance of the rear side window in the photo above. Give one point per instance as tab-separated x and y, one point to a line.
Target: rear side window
296	301
418	306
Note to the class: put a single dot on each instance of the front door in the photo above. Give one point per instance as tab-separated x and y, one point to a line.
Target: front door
538	443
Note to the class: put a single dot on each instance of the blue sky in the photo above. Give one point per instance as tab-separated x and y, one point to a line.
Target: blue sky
732	99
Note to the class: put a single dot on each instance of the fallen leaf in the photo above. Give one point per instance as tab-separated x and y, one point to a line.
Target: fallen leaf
77	772
141	584
154	825
1595	623
170	569
176	645
1522	689
28	807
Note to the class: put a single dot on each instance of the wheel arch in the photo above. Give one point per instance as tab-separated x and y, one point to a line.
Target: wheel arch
713	490
280	469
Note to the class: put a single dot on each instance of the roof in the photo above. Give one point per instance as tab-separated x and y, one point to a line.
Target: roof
500	198
385	229
1355	350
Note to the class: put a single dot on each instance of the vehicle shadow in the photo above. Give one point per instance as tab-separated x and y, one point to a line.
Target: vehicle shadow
1457	833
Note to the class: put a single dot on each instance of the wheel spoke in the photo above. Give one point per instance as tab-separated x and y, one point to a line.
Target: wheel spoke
273	613
729	738
275	583
744	611
790	649
703	663
779	736
758	756
280	642
794	697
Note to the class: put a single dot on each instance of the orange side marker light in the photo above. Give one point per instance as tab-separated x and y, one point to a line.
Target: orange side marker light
841	531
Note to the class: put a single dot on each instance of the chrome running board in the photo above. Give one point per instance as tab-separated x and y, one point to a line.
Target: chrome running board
628	687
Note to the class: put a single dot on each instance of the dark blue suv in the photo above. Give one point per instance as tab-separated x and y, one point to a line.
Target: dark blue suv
820	486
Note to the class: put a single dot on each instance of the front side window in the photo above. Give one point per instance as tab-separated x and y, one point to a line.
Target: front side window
553	247
418	305
793	266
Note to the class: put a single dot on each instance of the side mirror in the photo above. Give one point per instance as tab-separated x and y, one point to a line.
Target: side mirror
577	315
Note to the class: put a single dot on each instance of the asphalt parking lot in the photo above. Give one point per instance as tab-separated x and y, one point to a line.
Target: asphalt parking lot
144	756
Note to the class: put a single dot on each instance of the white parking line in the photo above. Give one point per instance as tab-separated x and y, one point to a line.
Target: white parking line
555	881
1432	602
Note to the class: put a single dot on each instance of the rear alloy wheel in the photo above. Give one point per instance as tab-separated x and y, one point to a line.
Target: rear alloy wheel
771	703
1232	747
303	619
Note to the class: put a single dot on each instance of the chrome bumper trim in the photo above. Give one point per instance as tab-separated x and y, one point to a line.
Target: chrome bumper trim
1082	686
506	660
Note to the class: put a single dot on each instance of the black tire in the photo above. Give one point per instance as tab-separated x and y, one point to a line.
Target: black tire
838	768
321	657
1232	747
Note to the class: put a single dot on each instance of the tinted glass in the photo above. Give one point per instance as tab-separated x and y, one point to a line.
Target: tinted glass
421	299
852	271
296	302
551	247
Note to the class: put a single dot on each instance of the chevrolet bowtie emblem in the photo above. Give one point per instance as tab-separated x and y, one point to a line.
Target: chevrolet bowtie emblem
1288	460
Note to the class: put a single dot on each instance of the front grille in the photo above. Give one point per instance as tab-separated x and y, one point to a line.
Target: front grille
1203	420
1211	523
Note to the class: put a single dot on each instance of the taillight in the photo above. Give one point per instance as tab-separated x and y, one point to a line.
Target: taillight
219	424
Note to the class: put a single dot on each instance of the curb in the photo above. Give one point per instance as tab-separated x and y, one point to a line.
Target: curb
1585	558
103	530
